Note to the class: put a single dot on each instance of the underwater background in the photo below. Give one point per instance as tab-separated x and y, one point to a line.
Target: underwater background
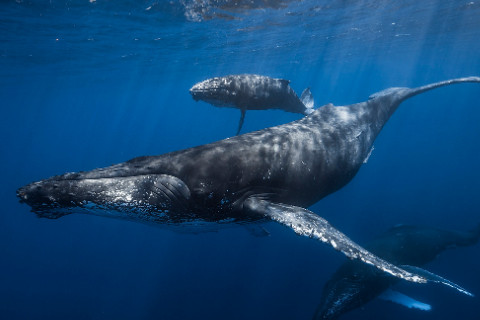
86	84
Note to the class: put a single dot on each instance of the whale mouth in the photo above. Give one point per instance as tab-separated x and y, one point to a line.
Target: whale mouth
32	195
21	194
196	93
206	90
215	97
44	200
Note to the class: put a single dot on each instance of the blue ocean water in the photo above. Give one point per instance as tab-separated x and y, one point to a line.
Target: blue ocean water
85	84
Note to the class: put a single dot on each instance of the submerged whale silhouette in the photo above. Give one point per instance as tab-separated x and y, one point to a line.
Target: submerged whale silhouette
354	284
252	92
274	174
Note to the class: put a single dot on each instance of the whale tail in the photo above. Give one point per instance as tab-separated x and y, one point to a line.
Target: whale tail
415	91
383	104
404	93
307	100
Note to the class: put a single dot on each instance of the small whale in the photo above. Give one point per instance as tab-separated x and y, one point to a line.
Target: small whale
252	92
271	174
354	284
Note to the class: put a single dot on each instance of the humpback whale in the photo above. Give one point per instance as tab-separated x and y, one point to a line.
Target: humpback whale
252	92
271	174
354	284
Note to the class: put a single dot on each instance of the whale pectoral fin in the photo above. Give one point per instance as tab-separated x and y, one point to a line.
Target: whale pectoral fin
242	118
406	301
431	277
307	223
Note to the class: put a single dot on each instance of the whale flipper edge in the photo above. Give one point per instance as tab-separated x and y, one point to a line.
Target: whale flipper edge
431	277
306	223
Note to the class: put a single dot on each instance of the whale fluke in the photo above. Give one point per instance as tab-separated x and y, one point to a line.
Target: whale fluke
307	100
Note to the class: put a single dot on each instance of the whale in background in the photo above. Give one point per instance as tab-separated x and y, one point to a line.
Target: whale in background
252	92
271	174
354	284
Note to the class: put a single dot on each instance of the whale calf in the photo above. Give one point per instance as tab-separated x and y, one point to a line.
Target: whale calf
252	92
354	284
271	174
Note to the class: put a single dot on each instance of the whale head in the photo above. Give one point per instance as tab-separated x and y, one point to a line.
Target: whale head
156	198
220	92
46	199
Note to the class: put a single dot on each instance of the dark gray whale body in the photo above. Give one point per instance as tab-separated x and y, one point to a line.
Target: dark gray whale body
252	92
274	174
354	284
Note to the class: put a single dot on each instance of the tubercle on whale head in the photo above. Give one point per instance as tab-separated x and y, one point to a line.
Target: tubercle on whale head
33	193
148	197
206	86
217	91
45	197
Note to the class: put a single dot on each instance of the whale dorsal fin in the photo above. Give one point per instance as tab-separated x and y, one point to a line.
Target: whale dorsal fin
307	223
406	301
